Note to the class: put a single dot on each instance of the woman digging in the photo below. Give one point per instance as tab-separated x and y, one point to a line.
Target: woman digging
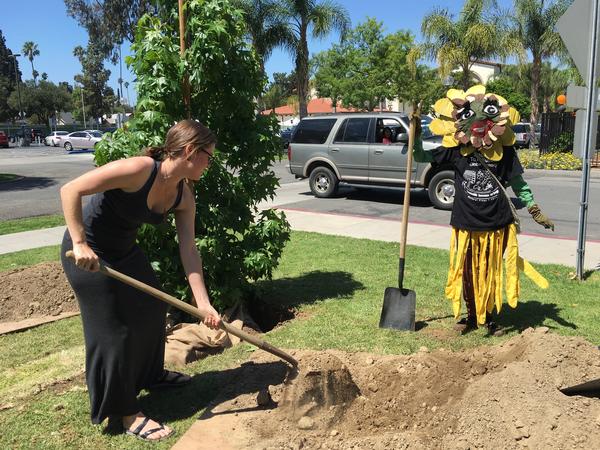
124	328
478	144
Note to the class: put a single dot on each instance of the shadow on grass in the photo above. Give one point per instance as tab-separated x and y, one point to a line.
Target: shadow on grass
27	184
308	288
530	313
207	389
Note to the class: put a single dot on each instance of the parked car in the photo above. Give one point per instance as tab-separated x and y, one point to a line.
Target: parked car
523	134
350	148
54	138
286	135
3	139
80	139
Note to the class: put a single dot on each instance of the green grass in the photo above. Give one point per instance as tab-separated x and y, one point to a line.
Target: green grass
31	223
8	177
29	257
336	285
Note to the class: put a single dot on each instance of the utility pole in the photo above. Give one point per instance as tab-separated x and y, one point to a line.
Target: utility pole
25	142
82	106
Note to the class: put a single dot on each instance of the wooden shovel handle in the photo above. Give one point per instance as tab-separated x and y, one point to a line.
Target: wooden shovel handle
192	310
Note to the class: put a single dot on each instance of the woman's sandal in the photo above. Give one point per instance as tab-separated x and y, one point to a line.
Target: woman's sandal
171	378
146	434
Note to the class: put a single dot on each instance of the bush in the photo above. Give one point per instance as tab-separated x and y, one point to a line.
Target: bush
238	243
531	159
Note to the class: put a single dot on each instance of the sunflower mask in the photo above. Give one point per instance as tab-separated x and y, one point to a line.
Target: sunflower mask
476	121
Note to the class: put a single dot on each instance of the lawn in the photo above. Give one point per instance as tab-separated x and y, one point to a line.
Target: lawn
336	285
31	223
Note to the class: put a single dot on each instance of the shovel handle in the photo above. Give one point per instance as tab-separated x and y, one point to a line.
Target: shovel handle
192	310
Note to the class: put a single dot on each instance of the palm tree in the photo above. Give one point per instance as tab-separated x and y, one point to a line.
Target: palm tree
30	49
266	26
320	17
534	22
457	44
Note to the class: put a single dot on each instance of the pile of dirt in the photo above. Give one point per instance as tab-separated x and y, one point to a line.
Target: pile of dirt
504	396
35	291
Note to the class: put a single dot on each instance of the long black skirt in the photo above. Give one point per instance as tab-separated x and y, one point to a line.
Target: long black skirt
124	332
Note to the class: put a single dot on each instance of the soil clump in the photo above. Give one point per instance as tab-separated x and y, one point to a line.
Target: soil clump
35	291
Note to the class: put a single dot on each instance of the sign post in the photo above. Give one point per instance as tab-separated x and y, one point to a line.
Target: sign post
582	43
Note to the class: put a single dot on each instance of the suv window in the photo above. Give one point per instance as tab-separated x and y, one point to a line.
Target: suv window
354	130
393	125
313	131
520	129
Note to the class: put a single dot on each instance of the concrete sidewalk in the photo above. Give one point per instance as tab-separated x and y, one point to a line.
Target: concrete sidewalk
540	249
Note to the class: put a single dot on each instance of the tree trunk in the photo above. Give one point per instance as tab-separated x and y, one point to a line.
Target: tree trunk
33	72
302	73
535	87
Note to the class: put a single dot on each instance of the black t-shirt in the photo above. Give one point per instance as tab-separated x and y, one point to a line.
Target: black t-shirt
479	204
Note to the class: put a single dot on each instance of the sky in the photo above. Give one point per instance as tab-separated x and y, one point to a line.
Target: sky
46	23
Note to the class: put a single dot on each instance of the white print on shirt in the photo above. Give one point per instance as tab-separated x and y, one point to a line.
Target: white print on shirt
479	185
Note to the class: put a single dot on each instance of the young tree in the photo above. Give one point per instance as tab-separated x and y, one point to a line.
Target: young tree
238	242
30	50
320	17
457	44
534	22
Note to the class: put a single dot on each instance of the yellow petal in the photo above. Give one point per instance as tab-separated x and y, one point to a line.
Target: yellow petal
514	115
508	137
494	153
474	90
442	127
443	107
501	100
455	93
449	141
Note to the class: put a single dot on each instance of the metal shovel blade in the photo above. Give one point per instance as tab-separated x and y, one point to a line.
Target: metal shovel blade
587	388
398	310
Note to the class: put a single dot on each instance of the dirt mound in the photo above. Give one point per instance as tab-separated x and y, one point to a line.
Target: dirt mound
504	396
35	291
319	392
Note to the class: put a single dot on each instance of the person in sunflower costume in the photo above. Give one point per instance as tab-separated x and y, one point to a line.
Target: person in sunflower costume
478	142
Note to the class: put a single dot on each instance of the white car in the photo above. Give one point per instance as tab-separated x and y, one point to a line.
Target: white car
80	139
54	138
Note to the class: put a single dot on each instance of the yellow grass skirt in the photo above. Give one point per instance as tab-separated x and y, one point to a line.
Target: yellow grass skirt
487	251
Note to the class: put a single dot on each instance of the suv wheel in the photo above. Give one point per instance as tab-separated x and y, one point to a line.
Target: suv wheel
68	146
441	189
323	182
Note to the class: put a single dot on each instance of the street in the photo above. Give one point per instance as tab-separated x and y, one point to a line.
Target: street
46	169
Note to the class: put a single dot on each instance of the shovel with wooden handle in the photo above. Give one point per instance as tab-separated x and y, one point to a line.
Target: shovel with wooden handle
192	310
399	304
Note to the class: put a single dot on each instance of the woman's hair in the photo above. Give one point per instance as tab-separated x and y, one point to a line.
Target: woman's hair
181	134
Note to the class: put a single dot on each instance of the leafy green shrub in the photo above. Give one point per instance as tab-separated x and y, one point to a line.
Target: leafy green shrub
563	143
238	243
531	159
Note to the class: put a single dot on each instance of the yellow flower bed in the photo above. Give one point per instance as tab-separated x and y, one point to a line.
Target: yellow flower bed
531	159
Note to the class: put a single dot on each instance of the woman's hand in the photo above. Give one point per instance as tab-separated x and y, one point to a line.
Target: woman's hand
85	258
211	316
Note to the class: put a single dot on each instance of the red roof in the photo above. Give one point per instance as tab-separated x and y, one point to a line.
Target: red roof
315	106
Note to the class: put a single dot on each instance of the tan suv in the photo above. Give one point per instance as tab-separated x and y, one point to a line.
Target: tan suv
364	149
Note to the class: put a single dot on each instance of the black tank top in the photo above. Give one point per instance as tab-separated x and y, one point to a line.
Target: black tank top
112	218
